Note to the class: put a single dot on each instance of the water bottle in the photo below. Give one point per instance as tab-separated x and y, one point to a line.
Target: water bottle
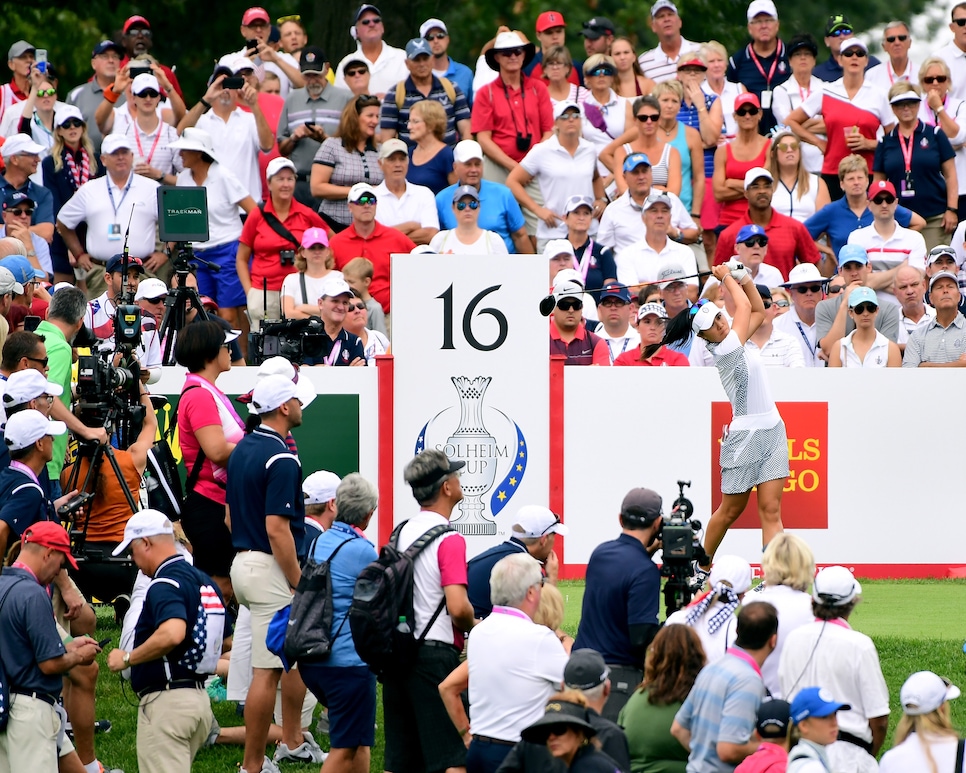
403	626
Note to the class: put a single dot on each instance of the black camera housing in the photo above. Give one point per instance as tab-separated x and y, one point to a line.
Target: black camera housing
294	339
524	141
287	257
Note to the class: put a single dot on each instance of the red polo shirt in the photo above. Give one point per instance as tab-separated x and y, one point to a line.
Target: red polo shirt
506	112
378	247
789	242
585	349
663	357
266	244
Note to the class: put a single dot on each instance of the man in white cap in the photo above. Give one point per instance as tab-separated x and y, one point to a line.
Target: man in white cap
828	653
165	657
499	210
422	84
806	286
405	206
569	335
366	236
268	530
21	155
660	63
26	389
444	66
120	204
534	531
387	65
319	490
763	63
345	348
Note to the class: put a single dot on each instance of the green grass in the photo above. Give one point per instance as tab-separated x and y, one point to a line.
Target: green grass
916	626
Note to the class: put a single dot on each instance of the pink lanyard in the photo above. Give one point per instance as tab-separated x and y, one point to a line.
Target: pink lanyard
774	64
837	621
907	149
583	265
137	138
511	612
19	565
334	354
742	655
25	470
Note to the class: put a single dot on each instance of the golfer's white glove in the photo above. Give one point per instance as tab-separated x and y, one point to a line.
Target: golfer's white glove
738	270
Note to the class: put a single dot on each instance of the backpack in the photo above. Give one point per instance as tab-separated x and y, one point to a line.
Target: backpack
308	636
447	87
381	615
207	632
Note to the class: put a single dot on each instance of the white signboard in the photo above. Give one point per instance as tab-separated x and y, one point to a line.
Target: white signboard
471	379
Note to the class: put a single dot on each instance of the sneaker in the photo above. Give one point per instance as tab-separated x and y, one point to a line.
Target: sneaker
322	726
304	752
217	690
267	767
213	733
102	726
108	770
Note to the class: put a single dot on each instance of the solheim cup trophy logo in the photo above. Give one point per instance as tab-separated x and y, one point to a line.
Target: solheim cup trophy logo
491	444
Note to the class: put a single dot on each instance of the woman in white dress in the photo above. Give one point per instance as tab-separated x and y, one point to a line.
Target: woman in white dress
925	739
865	347
798	193
754	449
467	238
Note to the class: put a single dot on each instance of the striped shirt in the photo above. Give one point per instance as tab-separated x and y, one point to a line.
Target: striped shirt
935	343
348	168
300	109
154	148
658	66
396	119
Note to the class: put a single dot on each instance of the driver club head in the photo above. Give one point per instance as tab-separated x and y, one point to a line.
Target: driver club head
547	305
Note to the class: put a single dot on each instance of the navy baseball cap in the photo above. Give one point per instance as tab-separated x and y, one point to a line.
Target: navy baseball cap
13	197
749	232
107	45
115	263
618	291
774	719
815	702
634	160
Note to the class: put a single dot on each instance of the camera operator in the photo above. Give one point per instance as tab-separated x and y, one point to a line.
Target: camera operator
347	348
154	304
108	512
620	608
64	320
101	311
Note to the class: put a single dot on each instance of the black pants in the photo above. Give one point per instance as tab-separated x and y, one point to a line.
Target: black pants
623	681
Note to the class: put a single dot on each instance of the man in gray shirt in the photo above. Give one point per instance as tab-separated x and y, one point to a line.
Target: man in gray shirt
941	343
832	321
309	116
105	61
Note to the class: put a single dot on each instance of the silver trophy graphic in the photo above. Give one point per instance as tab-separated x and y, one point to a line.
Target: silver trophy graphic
473	444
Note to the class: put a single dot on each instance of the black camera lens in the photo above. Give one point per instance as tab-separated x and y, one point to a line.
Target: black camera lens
524	142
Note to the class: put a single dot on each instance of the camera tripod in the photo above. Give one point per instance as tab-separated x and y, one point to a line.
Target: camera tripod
681	552
180	300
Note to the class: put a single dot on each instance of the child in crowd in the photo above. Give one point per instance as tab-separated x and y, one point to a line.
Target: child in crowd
774	724
358	273
813	712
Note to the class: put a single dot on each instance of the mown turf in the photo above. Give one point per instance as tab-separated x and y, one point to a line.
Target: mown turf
916	625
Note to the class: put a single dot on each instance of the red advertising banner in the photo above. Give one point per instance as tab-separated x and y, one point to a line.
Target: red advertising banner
805	498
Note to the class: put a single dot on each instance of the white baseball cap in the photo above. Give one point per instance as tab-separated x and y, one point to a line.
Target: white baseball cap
557	247
432	24
66	112
766	7
27	427
320	487
145	523
733	570
112	143
26	385
150	288
536	521
9	283
335	286
144	82
276	165
358	190
465	150
924	692
835	585
279	366
271	392
756	173
20	143
705	316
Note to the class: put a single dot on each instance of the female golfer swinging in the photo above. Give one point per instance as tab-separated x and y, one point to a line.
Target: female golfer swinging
754	449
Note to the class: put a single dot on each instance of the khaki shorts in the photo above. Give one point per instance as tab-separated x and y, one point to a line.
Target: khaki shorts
260	586
172	726
30	741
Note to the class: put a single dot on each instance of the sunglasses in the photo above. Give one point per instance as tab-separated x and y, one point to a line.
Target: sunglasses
372	21
357	307
437	36
766	303
930	79
511	52
560	729
366	100
835	289
645	117
569	115
894	38
883	199
601	71
784	147
781	304
556	520
756	241
612	303
747	111
472	204
365	200
72	123
148	94
21	211
853	52
570	304
356	71
841	32
141	32
42	362
960	22
46	92
865	308
159	299
802	289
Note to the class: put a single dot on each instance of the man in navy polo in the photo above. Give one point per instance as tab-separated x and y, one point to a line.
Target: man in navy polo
621	600
533	532
175	712
267	511
763	63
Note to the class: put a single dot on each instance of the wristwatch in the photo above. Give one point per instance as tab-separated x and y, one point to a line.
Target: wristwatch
126	660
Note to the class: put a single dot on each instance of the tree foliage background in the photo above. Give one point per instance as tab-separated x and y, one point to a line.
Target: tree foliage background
192	34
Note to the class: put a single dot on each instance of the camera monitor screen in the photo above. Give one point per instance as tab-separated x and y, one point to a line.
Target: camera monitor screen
182	214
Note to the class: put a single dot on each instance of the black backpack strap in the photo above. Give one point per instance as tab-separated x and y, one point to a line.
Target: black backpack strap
305	293
414	550
960	747
192	481
276	225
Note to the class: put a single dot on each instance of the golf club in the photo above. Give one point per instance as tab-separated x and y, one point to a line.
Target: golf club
548	304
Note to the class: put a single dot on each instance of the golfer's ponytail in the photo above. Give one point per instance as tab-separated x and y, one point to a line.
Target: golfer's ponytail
678	331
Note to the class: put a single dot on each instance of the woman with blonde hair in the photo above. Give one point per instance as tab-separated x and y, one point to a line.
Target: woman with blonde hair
551	614
314	263
798	193
940	109
925	739
431	159
788	567
665	159
687	140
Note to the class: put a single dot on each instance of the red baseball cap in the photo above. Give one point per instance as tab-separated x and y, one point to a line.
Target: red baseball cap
49	534
549	19
881	186
136	20
255	13
747	98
